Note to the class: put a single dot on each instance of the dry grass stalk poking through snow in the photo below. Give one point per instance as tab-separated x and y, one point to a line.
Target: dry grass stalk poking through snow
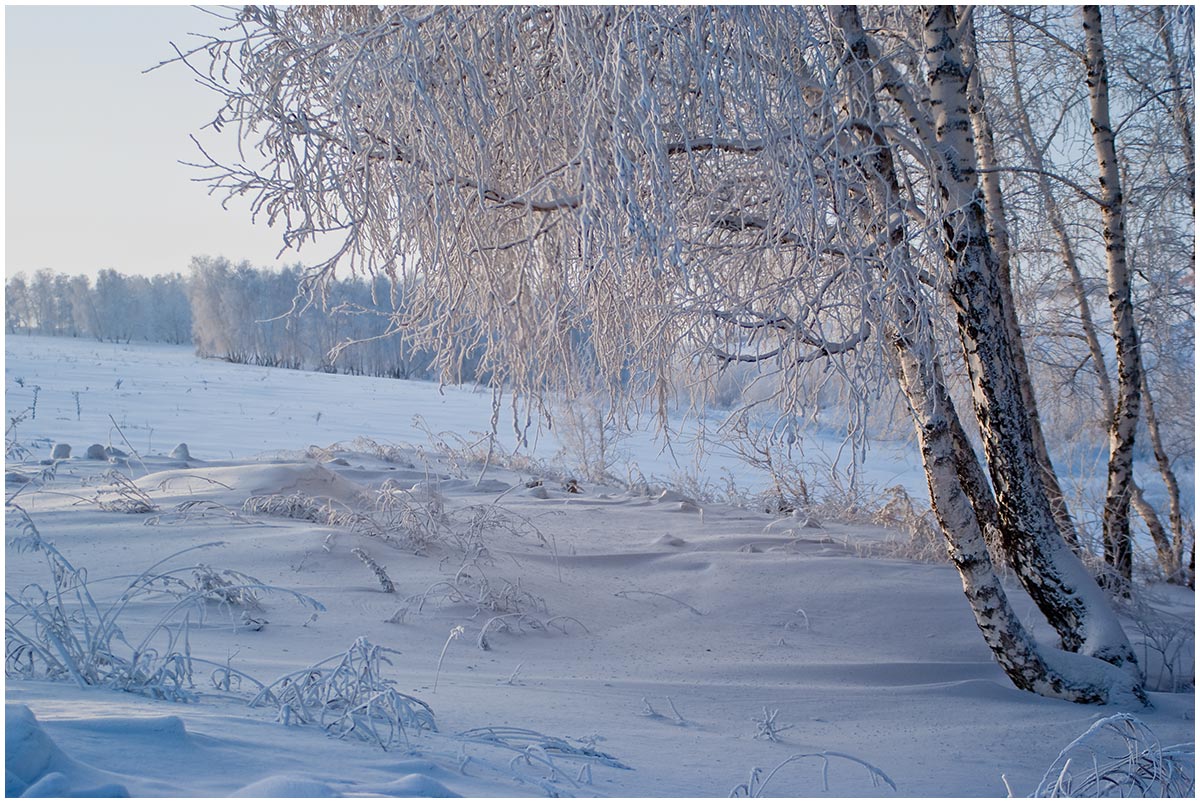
381	574
757	784
121	495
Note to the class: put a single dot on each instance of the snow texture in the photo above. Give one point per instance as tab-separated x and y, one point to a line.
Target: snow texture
637	640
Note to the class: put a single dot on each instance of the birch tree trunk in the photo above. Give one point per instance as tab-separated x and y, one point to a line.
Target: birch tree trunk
1169	547
1048	569
1118	551
950	469
1180	108
1058	225
985	154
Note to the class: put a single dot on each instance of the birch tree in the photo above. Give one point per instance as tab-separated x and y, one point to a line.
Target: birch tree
690	187
1151	127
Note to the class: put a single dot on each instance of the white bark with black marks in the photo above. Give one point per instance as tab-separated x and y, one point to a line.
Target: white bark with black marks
1118	543
1048	569
950	465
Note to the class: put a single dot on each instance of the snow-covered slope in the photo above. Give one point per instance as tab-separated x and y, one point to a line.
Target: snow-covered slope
608	642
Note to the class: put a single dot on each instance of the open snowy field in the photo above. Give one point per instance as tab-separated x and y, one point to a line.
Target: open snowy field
510	635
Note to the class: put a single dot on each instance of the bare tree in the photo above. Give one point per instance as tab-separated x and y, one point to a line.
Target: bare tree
603	196
1147	117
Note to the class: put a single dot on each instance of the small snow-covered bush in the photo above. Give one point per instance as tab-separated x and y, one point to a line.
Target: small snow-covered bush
472	586
62	632
227	587
348	695
1119	756
590	433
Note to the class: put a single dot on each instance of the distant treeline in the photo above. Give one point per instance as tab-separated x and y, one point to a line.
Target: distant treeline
116	308
232	312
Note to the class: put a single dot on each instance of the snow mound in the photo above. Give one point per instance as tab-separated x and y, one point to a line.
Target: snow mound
415	785
256	479
34	766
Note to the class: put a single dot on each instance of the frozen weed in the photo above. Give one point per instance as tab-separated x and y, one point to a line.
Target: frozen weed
535	749
289	506
1167	640
590	432
381	574
455	633
1118	756
520	622
387	452
200	510
62	631
348	695
471	586
756	786
512	679
798	622
766	727
625	594
760	448
649	712
119	495
227	587
13	449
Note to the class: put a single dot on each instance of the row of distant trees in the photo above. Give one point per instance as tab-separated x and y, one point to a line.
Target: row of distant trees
232	312
115	308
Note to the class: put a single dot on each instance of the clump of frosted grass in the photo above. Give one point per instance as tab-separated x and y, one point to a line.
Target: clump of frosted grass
537	750
517	623
227	587
1167	642
348	695
1119	756
289	506
472	586
120	494
61	631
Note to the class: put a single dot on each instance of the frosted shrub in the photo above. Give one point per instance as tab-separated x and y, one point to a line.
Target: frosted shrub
348	695
1119	756
472	586
767	728
590	433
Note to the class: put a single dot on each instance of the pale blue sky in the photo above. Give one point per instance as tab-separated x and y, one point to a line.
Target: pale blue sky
92	145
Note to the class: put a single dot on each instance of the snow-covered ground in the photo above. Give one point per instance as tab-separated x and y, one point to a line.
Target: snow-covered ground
637	643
